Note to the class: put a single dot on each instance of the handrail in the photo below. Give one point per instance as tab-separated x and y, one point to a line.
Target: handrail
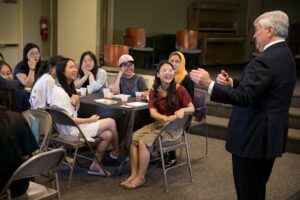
9	45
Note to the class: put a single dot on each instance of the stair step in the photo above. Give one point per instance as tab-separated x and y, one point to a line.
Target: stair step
224	111
293	141
296	98
217	128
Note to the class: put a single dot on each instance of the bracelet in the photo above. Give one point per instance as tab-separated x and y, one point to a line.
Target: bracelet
32	69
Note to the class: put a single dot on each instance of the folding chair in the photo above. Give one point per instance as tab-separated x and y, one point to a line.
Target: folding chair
45	126
164	147
45	162
200	113
59	117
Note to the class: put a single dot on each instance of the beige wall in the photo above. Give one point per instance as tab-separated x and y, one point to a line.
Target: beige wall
9	34
77	27
33	10
22	25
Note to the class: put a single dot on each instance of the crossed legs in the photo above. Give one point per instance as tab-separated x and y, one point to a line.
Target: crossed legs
107	131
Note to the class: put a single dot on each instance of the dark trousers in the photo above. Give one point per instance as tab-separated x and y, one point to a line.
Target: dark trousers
251	176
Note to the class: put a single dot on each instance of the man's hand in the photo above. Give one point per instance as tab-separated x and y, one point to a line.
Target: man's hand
201	78
224	79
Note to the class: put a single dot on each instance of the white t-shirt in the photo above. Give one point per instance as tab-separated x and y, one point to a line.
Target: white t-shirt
41	91
101	80
61	100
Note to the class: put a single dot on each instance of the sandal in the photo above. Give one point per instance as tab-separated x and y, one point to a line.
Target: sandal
98	173
113	155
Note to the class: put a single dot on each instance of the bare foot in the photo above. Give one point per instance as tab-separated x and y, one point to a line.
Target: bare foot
127	180
136	183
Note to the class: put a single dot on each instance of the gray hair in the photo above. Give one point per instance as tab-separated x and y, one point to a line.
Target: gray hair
276	19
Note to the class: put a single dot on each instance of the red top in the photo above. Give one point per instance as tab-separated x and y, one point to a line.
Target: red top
182	100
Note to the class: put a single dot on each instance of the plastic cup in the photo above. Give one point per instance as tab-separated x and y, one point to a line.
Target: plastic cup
105	90
124	100
83	92
138	96
89	89
109	95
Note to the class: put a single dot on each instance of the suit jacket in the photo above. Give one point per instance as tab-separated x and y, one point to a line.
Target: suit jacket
258	124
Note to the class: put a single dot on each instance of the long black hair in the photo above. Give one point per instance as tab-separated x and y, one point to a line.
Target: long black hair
171	96
7	97
46	66
94	70
5	127
60	69
27	48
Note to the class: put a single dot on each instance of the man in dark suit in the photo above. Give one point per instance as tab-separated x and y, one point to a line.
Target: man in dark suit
258	125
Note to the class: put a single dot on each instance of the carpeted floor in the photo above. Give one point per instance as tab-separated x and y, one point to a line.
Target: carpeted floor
212	179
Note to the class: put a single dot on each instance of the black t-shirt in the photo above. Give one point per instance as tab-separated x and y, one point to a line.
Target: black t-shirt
21	101
23	67
189	85
16	140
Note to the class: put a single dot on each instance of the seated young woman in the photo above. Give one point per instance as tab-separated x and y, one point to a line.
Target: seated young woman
128	82
42	89
25	71
66	72
167	102
14	100
90	73
181	77
17	142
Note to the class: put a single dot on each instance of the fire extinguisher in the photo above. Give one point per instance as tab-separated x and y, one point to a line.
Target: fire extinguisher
44	29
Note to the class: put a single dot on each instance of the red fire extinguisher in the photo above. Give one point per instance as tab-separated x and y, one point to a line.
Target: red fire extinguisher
44	29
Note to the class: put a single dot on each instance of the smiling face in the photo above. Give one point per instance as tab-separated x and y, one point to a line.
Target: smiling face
175	60
6	72
166	73
70	71
88	63
127	69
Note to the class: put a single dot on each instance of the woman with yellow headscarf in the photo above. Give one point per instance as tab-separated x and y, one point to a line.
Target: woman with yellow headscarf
181	75
181	78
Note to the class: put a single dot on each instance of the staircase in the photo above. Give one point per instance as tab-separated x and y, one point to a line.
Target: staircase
218	117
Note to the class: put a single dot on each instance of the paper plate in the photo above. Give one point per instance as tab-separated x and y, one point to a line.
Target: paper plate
105	101
119	96
137	104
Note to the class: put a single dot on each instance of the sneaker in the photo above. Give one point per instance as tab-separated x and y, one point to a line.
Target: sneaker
69	160
127	158
170	163
113	156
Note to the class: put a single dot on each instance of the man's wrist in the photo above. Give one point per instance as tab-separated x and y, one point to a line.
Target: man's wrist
210	87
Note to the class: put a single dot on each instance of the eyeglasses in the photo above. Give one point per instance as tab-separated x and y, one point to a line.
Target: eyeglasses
166	71
34	53
127	64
